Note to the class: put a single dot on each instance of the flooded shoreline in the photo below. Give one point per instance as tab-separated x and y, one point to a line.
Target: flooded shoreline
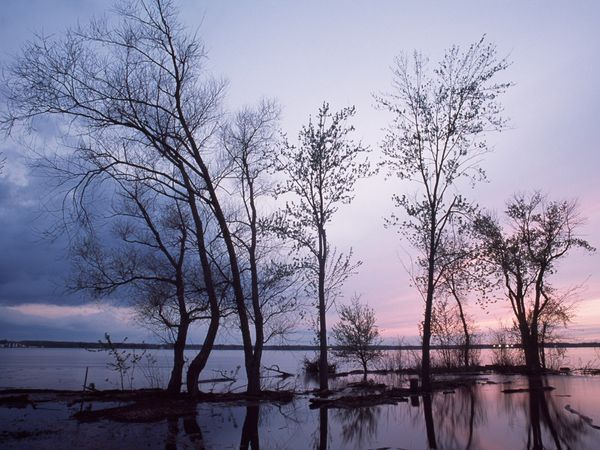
494	411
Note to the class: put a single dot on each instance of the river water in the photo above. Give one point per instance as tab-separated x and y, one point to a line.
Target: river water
52	368
480	416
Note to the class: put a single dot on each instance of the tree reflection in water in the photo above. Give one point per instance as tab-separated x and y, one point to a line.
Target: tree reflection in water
479	416
191	429
358	424
459	414
250	438
546	422
460	420
173	431
428	414
323	428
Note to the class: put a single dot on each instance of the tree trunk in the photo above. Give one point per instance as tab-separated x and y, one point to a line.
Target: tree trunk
364	364
323	364
174	386
532	354
201	358
253	374
542	346
463	319
426	357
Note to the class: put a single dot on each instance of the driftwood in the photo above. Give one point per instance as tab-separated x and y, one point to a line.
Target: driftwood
385	397
224	378
281	374
153	406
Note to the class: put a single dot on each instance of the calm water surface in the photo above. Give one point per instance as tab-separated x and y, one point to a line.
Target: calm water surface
477	417
39	368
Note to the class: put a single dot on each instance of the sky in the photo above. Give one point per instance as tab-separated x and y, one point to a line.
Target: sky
304	53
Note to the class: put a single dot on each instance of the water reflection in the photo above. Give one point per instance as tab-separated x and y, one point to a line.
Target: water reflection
323	428
546	423
193	431
479	416
532	419
428	415
359	425
458	415
173	431
250	437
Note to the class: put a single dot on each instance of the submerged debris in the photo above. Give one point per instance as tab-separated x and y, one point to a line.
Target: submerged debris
152	406
586	419
516	391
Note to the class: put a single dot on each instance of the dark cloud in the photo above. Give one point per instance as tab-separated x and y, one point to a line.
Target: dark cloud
33	268
51	323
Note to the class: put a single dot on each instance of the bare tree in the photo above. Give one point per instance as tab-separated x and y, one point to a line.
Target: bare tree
135	92
149	255
525	255
436	139
357	334
557	315
447	332
270	283
321	173
463	278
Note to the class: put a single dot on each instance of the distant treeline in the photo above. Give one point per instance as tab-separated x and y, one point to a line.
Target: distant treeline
143	345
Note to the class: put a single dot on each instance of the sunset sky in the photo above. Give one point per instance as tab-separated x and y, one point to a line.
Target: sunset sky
302	53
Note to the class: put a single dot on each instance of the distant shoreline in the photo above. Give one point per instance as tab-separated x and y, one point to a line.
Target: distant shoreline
4	343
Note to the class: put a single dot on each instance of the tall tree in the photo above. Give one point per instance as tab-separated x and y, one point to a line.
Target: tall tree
436	139
135	92
270	284
321	172
539	234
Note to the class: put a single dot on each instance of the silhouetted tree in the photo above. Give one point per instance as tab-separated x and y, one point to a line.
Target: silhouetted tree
321	172
462	277
525	254
357	334
447	332
436	139
270	283
150	256
135	93
557	314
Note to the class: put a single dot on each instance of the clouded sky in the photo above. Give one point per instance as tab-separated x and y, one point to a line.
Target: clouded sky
303	53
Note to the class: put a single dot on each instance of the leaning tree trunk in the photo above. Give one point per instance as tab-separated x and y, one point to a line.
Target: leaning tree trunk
199	362
174	386
463	319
